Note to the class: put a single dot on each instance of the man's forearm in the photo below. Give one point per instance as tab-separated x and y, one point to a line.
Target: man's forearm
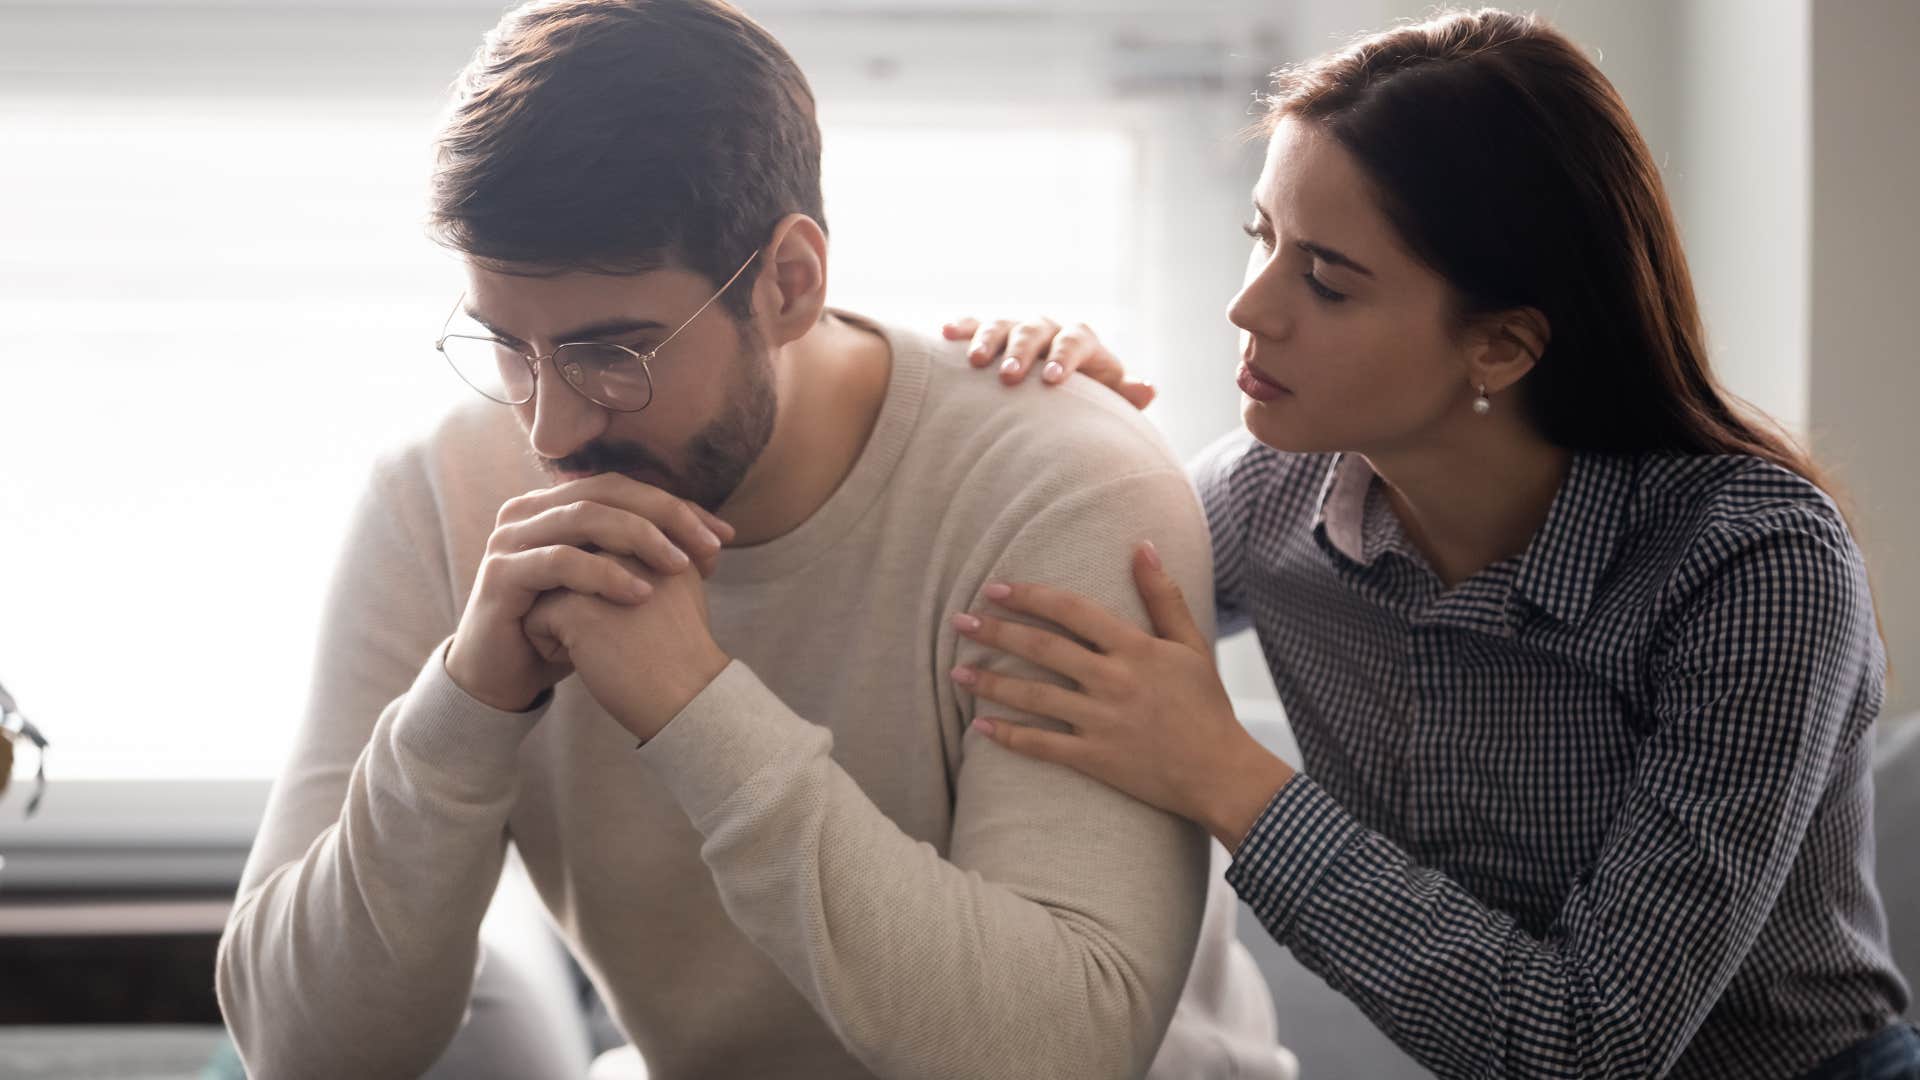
357	957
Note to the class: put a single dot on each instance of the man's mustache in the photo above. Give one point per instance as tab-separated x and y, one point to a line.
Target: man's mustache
600	457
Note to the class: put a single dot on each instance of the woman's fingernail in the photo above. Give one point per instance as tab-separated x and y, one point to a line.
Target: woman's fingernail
1053	372
997	591
983	725
966	624
964	676
678	558
1010	366
1152	553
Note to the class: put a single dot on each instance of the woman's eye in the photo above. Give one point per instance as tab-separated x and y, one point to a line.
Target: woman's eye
1254	231
1320	289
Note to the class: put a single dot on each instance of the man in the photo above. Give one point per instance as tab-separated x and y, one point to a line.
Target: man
742	780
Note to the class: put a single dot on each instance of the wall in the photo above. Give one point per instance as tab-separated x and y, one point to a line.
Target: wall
1865	379
1740	183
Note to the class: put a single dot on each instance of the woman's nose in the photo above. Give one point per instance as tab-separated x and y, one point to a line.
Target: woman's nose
1259	309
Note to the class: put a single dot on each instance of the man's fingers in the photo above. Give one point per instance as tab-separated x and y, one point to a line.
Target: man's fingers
712	521
708	561
683	522
707	565
530	573
599	526
539	631
678	518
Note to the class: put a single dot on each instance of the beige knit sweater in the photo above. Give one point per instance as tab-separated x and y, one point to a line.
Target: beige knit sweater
815	870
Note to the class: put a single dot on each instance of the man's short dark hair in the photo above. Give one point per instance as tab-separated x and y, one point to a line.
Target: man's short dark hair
619	136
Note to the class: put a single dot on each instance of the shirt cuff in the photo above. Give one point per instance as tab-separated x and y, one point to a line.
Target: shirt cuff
450	733
721	739
1288	851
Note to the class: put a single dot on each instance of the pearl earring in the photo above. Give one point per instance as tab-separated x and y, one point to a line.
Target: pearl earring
1482	405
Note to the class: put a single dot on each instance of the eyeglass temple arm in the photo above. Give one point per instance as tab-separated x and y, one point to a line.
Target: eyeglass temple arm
448	321
710	300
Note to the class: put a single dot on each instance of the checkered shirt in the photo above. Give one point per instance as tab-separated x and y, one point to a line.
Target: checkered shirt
1602	809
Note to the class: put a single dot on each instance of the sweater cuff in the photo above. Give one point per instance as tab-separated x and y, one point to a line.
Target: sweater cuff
1288	851
720	740
456	736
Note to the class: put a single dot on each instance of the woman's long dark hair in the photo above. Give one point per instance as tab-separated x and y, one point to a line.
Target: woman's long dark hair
1510	165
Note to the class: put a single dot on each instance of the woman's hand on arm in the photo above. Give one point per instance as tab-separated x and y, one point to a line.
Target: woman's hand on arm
1150	716
1021	346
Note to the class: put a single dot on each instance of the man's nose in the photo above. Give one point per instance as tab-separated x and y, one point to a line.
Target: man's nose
563	419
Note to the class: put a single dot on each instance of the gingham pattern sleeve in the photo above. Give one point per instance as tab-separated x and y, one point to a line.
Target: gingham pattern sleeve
1760	656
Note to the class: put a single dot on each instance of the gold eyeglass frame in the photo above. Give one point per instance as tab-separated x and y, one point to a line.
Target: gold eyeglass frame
572	373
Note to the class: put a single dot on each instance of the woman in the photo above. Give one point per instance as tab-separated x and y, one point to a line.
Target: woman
1582	662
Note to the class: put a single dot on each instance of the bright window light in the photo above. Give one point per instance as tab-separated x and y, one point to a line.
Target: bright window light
217	312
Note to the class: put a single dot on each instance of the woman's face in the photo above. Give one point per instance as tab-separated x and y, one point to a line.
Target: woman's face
1347	341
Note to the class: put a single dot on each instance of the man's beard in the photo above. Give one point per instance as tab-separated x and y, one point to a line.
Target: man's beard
716	459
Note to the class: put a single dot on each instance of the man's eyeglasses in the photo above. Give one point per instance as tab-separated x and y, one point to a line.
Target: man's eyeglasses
611	376
15	727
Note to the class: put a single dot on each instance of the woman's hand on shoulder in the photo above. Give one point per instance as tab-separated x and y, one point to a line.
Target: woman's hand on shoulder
1019	347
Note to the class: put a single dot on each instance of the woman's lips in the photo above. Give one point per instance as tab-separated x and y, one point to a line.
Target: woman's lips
1258	386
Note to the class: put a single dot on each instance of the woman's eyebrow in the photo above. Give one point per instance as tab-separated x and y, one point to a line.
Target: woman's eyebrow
1327	254
1318	251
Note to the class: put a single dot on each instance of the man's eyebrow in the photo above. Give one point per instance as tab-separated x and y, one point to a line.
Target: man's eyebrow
606	328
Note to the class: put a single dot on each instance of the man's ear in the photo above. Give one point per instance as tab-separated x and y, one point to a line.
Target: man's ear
1511	343
790	290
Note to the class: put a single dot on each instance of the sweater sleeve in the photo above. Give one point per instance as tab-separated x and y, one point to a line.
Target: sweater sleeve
350	950
1054	936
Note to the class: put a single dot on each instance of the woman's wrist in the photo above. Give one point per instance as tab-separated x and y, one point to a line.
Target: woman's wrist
1247	787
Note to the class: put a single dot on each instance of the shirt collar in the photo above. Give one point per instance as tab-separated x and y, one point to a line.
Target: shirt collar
1562	567
1340	518
1354	519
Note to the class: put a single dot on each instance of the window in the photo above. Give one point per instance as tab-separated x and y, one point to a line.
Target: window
219	310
